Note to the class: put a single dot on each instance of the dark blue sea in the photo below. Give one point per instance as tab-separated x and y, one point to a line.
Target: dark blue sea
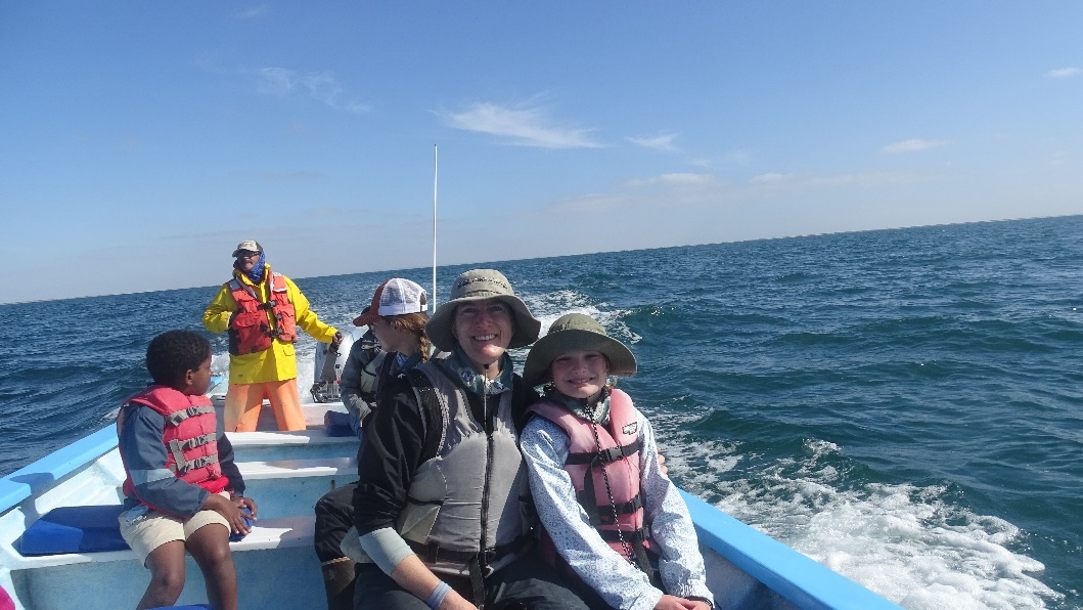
904	406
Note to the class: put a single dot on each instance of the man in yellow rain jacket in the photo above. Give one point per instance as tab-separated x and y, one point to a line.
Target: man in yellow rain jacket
262	310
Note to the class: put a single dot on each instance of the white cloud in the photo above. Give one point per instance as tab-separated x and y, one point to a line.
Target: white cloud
1063	72
663	142
320	86
132	143
770	178
1058	159
253	12
277	81
914	145
674	179
524	126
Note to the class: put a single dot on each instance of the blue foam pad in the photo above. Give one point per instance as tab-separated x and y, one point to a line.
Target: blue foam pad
336	423
75	529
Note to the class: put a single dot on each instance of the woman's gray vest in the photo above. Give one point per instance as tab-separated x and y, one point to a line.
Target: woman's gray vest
472	494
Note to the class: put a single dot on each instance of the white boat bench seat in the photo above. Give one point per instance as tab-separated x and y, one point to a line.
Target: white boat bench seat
298	437
270	533
309	467
300	468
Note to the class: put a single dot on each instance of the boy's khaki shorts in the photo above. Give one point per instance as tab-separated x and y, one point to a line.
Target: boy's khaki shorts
152	530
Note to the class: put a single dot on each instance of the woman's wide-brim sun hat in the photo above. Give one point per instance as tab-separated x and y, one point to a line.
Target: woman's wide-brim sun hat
576	332
477	285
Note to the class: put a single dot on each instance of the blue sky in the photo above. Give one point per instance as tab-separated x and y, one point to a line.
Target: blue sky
140	141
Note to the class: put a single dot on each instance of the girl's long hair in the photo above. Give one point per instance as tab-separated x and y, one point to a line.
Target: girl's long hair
413	323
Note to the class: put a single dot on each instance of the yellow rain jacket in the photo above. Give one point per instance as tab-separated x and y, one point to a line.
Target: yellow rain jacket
278	362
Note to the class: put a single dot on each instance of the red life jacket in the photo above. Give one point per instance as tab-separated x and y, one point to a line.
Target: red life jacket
620	453
252	329
190	437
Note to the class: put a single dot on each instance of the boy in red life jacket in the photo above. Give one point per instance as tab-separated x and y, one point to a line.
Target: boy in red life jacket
609	511
180	475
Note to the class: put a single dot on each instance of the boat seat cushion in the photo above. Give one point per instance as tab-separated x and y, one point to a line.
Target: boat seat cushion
75	529
337	423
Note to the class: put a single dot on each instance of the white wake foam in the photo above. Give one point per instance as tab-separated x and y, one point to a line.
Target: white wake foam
908	543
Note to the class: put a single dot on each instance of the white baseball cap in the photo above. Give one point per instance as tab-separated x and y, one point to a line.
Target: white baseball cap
394	297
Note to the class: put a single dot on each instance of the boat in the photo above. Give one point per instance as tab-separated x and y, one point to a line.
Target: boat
286	472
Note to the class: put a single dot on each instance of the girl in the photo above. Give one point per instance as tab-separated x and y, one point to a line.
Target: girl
609	512
397	318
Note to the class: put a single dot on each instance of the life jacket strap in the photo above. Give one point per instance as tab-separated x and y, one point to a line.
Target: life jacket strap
637	535
433	553
625	508
606	456
639	540
178	447
177	417
183	468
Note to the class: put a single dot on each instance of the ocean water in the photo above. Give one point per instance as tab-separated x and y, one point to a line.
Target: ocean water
904	406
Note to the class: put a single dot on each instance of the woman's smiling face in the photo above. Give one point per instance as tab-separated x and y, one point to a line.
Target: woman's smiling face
484	329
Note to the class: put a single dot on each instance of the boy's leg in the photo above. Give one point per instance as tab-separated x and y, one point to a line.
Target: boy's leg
158	540
166	565
209	546
286	403
242	407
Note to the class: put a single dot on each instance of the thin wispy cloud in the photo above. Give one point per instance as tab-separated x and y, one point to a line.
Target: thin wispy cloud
129	144
775	180
674	179
914	145
300	175
771	178
523	126
662	142
253	12
320	86
1064	72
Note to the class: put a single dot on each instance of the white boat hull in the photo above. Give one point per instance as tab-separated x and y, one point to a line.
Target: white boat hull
276	565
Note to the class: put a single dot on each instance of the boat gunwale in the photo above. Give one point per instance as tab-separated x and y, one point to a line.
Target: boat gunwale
786	571
45	472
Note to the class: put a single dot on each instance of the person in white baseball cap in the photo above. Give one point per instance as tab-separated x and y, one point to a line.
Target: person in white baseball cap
397	318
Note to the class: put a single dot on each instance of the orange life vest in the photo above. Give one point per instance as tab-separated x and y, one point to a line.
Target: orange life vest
619	452
257	324
190	437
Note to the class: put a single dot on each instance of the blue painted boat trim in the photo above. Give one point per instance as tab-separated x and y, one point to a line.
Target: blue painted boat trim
28	480
792	575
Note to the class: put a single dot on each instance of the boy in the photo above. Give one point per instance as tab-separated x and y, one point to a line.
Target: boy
180	475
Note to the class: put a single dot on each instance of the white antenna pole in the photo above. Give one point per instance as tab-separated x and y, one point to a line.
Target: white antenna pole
435	163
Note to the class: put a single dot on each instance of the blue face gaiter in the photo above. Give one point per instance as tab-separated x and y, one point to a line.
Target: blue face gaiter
256	274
